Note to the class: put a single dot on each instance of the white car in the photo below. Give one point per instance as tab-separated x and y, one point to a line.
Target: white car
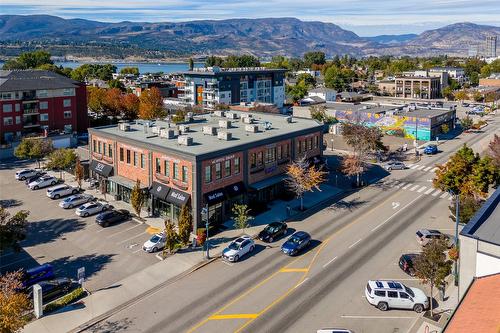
155	243
61	191
91	208
42	182
238	248
75	200
27	173
391	294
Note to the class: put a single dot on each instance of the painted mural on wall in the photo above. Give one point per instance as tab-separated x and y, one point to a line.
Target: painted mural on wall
409	127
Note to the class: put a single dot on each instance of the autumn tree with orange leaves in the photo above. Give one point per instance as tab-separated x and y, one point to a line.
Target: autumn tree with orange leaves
151	104
13	303
303	178
352	166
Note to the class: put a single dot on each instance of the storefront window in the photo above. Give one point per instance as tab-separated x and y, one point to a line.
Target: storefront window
218	171
253	160
227	166
316	141
280	152
94	145
287	150
270	155
176	171
99	147
260	158
236	165
184	174
135	158
208	174
104	149
309	143
166	168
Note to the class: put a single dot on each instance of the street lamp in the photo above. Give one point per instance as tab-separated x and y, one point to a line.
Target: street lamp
204	216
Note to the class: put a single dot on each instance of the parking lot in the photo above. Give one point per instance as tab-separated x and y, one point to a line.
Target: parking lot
59	237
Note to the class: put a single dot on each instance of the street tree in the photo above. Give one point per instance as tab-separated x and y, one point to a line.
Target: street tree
96	99
466	123
185	224
171	238
467	208
34	148
151	104
113	102
14	304
353	166
130	70
432	267
79	174
137	197
241	216
461	95
61	160
12	228
303	178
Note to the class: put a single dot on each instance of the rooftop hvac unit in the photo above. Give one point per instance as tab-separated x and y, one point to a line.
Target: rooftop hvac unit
224	136
251	128
167	133
268	125
185	140
289	119
247	120
209	130
219	113
224	123
124	127
231	115
184	128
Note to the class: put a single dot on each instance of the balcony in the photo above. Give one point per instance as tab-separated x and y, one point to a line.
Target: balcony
29	96
30	111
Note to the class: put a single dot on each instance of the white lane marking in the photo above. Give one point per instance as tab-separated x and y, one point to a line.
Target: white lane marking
354	244
436	193
128	239
427	169
444	195
140	249
16	261
422	189
409	184
410	165
328	263
421	167
414	188
302	282
429	190
395	204
227	263
414	166
401	185
375	317
390	217
434	169
398	279
119	232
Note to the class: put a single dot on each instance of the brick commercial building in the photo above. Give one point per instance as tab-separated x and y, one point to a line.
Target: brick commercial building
424	87
32	101
215	159
210	86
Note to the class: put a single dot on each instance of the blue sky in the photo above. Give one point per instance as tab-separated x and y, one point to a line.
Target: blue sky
364	17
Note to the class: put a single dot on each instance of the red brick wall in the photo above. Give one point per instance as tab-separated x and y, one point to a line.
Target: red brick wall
128	170
10	128
170	181
225	180
82	116
270	169
101	156
308	152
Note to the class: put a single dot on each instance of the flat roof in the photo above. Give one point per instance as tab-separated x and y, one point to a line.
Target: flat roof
222	71
485	225
361	107
204	144
426	113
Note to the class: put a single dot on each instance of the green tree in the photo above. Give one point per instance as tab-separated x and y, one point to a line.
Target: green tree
445	128
137	197
314	58
467	208
494	151
62	159
448	93
96	99
476	96
296	92
338	78
130	70
432	267
116	84
241	216
88	72
33	148
29	60
14	304
12	229
308	79
66	71
171	238
212	61
185	224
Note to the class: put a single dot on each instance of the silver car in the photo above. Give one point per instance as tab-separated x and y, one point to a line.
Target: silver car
394	165
27	173
59	191
91	208
42	182
75	201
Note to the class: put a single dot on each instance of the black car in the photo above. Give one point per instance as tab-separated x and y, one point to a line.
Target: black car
273	231
112	216
51	289
32	179
407	263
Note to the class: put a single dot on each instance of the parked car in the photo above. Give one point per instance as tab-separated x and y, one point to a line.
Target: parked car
109	217
238	248
27	173
51	289
42	182
465	105
36	274
394	165
407	263
431	150
424	236
273	231
387	295
155	243
62	190
334	330
91	208
75	200
33	178
297	242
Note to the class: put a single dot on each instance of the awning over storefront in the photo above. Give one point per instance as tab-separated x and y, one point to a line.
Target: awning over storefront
101	168
268	182
128	183
214	197
159	190
177	197
235	189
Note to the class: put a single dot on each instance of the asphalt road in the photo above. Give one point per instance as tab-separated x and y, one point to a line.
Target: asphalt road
359	238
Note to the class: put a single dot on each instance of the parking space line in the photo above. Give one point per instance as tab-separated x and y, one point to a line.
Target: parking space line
434	169
301	282
137	250
128	239
328	263
122	231
410	165
401	185
414	166
421	167
427	169
355	243
444	195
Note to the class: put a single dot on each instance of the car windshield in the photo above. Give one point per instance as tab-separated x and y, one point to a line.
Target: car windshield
419	234
270	229
295	239
234	246
155	239
409	291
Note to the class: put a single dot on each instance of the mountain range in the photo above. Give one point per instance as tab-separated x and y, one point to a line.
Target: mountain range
261	37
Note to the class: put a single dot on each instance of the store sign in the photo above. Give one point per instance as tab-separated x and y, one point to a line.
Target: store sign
215	196
222	159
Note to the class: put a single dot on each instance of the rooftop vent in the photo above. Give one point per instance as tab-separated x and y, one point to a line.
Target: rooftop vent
167	133
184	128
268	125
209	130
185	140
251	128
226	136
219	113
231	115
124	127
225	123
247	120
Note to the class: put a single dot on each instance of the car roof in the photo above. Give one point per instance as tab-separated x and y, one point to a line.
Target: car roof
386	284
275	224
241	239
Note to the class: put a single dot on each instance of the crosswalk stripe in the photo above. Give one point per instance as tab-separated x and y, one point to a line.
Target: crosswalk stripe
421	167
434	169
427	169
422	189
414	188
401	185
436	193
409	184
395	183
410	165
414	166
444	195
429	190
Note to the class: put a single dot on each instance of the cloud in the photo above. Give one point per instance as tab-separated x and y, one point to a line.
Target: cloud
365	17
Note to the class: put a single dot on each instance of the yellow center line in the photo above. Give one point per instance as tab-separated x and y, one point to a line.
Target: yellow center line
234	316
293	270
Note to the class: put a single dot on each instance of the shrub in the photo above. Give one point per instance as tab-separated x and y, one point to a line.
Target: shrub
65	300
201	236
